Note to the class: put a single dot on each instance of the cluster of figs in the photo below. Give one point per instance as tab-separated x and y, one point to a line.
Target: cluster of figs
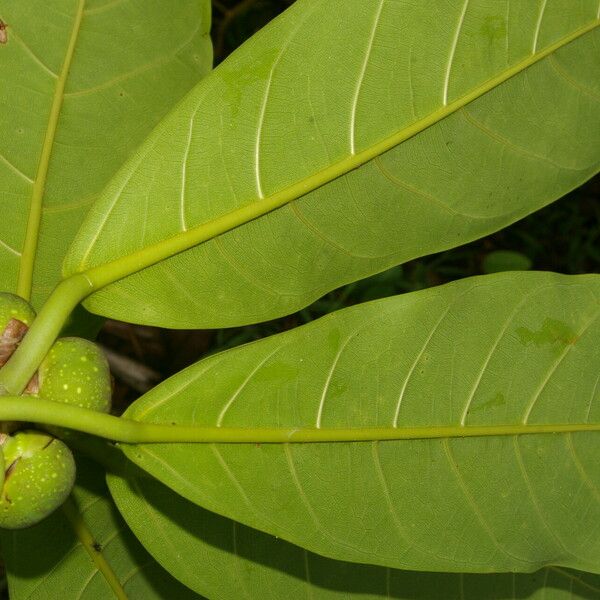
37	470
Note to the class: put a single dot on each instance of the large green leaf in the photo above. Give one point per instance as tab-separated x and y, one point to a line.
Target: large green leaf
223	559
83	83
48	561
509	349
375	130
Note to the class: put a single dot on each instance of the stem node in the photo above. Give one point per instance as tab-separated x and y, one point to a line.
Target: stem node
17	372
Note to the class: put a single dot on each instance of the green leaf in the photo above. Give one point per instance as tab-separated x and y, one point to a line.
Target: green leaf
346	137
508	349
505	260
71	568
83	83
222	559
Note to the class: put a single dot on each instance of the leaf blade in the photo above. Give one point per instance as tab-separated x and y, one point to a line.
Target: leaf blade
65	568
242	562
57	61
273	135
446	504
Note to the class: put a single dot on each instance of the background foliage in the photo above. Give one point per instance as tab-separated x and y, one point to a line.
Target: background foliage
563	237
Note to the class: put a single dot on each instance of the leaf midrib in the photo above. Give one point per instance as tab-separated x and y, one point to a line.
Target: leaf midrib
112	271
135	427
86	538
26	266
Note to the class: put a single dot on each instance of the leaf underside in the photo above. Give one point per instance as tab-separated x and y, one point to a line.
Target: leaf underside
64	569
383	129
222	559
494	350
91	105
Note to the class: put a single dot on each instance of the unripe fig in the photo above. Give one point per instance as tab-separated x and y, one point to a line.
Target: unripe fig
75	371
37	476
14	307
16	315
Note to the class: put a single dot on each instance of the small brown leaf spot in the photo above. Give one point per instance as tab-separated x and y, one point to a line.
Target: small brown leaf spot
97	546
3	32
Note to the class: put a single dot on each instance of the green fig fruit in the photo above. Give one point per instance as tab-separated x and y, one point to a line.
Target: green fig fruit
14	307
75	371
16	315
37	476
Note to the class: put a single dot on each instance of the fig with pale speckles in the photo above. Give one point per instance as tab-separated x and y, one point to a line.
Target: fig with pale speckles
75	371
37	475
14	307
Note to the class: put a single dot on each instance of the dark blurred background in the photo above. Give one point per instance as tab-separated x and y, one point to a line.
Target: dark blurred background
564	237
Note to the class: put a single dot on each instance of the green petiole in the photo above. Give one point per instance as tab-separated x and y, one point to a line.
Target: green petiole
128	431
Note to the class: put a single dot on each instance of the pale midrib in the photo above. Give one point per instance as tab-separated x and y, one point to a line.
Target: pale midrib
247	435
109	272
130	431
30	245
88	542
